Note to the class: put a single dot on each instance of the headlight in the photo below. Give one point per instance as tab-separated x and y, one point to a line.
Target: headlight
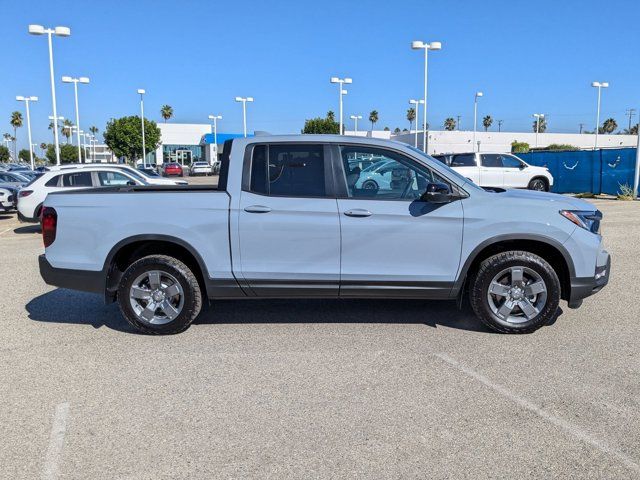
584	219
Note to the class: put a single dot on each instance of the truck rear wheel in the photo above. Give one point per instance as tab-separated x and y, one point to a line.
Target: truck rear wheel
515	292
159	295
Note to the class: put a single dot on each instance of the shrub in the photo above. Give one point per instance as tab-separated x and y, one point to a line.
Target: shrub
560	146
626	192
519	147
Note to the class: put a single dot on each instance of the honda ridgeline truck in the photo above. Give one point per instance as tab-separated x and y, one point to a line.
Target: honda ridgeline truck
290	218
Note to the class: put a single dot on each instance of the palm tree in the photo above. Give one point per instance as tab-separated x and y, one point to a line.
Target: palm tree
166	112
43	147
396	130
608	126
411	116
15	122
373	117
631	131
66	128
331	116
93	130
543	124
450	124
486	122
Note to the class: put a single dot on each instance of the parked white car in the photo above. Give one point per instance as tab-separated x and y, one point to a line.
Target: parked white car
200	168
31	198
502	170
7	199
145	175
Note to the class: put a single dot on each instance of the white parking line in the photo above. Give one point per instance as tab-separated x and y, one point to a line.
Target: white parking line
10	228
50	469
553	419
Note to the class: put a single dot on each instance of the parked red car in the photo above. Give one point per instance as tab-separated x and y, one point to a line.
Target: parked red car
172	169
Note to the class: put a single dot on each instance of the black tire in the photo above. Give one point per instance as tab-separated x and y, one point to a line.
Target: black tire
539	184
370	185
493	266
192	302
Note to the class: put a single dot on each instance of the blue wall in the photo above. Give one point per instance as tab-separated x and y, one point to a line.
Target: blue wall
595	171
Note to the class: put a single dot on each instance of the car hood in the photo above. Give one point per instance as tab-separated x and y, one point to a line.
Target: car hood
544	199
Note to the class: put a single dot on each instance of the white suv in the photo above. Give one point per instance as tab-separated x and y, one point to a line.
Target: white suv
502	170
31	197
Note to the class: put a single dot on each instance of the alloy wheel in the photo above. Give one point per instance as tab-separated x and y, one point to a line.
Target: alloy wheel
517	294
156	297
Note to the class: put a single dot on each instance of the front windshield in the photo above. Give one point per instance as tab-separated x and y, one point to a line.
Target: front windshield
20	178
465	181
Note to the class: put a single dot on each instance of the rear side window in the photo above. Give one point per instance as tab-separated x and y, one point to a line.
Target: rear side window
491	160
53	181
292	170
79	179
465	160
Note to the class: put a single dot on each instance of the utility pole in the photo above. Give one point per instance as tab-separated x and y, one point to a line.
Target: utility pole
458	121
630	112
499	125
581	127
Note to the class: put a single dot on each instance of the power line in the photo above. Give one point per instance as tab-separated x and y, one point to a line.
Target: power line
499	125
630	112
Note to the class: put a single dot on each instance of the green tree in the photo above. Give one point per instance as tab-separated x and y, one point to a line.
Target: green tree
632	131
608	126
373	118
411	116
68	153
396	130
24	155
543	124
16	123
449	124
67	128
5	156
124	136
322	125
387	129
486	122
166	112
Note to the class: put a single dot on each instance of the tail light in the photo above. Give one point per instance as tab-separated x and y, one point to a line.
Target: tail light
49	223
24	193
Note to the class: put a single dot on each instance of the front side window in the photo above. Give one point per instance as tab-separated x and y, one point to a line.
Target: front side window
79	179
293	170
394	177
110	179
464	160
510	162
491	160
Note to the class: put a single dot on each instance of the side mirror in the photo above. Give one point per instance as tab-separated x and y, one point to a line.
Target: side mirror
437	193
522	166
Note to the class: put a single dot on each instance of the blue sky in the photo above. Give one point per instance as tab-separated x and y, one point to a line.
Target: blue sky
198	55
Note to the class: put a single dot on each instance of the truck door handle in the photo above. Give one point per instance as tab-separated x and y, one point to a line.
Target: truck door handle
358	212
257	209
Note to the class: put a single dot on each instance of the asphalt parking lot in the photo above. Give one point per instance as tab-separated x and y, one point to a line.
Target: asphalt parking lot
318	389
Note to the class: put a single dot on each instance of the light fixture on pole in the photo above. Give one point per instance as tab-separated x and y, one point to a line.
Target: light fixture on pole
599	86
417	109
420	45
355	118
538	116
244	101
215	119
26	101
75	81
141	92
475	117
60	32
341	93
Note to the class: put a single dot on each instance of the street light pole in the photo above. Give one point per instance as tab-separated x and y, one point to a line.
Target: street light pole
141	92
67	79
355	118
599	86
60	32
244	101
215	119
475	117
26	101
417	104
417	45
341	92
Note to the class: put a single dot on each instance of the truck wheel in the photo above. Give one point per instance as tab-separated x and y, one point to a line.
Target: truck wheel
539	184
159	295
515	292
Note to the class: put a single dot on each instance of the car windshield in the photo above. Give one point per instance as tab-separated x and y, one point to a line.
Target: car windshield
450	171
136	175
20	178
144	172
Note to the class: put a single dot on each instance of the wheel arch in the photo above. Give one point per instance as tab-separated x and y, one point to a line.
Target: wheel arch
133	248
549	249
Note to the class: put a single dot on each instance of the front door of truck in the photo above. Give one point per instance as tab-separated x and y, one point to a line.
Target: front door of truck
393	243
288	226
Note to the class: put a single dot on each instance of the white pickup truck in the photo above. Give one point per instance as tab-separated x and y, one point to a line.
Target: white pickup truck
501	170
292	217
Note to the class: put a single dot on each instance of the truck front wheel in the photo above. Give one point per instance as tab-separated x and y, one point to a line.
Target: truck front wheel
159	295
515	292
